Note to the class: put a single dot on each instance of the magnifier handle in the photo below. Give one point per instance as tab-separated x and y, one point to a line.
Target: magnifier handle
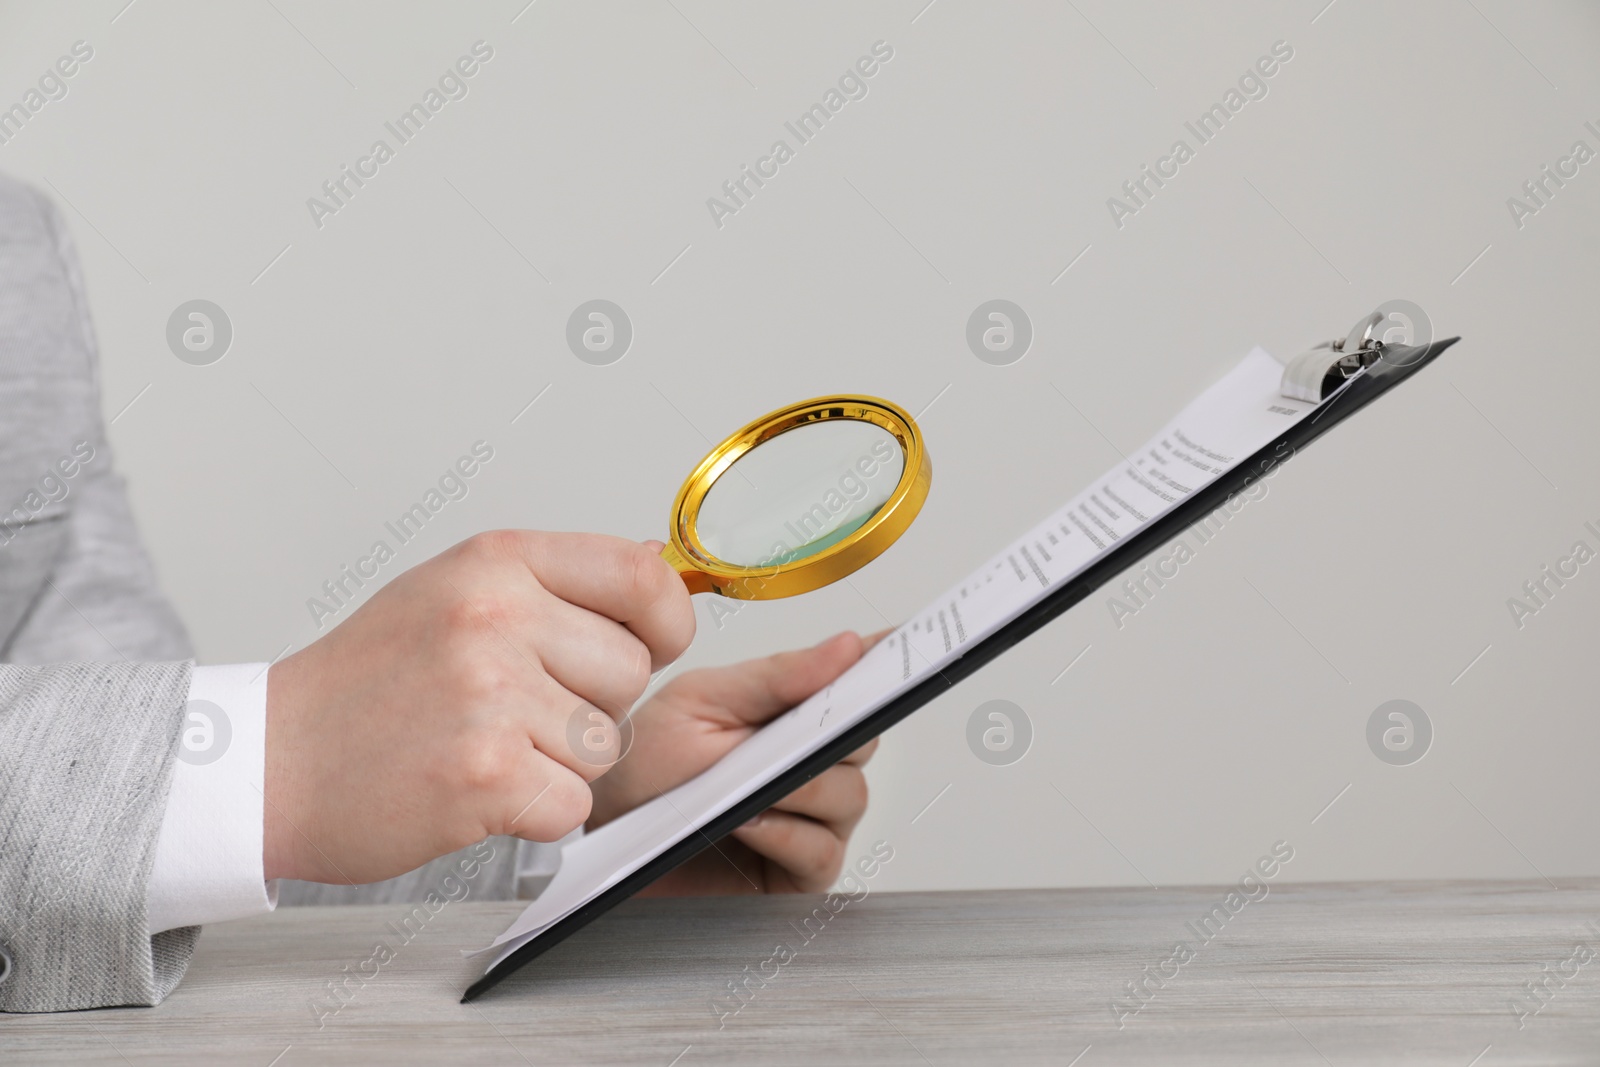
697	581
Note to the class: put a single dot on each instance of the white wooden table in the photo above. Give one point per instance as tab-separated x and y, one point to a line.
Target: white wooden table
1329	974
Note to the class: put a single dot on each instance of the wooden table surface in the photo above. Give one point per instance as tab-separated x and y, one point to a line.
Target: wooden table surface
1318	974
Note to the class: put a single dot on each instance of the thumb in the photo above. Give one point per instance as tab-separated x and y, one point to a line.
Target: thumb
760	689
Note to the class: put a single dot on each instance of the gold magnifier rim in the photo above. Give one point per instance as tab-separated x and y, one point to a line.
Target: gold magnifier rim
703	572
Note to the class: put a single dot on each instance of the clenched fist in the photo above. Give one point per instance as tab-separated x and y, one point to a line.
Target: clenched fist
440	712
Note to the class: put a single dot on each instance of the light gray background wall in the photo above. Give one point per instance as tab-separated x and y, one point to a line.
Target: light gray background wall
373	351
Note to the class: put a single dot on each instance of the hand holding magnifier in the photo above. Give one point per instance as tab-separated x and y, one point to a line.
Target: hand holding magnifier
799	498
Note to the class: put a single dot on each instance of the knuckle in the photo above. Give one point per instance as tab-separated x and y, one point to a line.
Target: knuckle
469	670
464	619
486	764
499	616
594	742
589	767
655	589
493	545
635	670
561	809
457	616
489	680
685	630
644	575
475	622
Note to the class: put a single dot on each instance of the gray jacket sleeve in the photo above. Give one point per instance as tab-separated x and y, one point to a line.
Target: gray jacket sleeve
90	714
84	773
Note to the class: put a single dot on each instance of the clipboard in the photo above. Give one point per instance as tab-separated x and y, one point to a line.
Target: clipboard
1338	379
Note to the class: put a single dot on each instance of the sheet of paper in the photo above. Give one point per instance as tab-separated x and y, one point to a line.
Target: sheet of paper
1233	419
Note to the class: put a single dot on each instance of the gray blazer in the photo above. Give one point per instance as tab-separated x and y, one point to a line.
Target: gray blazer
94	667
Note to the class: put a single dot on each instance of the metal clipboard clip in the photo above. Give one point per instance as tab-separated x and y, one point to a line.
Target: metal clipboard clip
1313	376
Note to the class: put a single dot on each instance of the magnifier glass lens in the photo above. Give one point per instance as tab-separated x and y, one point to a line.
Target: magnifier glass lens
797	494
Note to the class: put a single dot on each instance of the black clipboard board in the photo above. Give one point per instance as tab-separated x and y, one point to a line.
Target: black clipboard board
1395	365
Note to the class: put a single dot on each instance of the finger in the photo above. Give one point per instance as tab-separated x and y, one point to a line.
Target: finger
837	798
859	757
547	801
620	579
592	656
760	689
873	638
576	734
809	853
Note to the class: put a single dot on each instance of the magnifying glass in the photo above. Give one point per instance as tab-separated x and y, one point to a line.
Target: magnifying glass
799	498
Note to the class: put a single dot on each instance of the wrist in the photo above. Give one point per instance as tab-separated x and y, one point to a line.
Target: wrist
281	841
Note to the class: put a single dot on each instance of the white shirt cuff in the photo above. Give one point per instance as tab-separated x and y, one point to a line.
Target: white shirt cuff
208	858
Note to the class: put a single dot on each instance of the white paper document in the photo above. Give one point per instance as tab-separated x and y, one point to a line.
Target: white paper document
1235	418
